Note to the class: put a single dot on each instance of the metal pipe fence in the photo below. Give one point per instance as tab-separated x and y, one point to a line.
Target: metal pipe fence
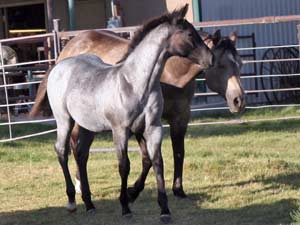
5	73
57	36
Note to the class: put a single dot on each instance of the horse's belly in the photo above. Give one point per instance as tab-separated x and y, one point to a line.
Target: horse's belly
83	111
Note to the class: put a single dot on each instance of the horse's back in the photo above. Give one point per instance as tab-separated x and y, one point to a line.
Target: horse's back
75	69
71	89
107	46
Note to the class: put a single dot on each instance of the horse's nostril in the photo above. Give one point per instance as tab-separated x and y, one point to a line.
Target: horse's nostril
237	101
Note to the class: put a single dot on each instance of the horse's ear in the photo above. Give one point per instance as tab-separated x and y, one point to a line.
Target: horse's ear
184	10
216	37
233	36
207	38
179	14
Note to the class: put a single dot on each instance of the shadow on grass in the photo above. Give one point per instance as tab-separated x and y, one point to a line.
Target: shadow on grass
146	211
232	130
290	179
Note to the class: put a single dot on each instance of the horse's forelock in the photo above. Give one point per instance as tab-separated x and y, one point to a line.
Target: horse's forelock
226	44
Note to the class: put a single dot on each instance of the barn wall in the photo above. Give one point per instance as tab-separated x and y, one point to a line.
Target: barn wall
90	14
136	12
60	11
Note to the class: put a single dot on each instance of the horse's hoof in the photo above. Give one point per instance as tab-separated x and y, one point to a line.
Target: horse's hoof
179	192
127	215
126	212
91	211
77	186
165	218
71	207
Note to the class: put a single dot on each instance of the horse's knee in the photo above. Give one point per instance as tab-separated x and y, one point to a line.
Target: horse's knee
124	166
60	150
157	162
154	140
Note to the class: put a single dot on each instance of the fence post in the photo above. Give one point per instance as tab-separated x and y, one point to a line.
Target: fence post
298	36
56	27
6	92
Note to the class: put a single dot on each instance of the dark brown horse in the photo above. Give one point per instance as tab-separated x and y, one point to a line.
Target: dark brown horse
177	82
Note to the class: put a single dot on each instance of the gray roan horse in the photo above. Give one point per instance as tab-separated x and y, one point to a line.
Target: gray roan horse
125	98
177	82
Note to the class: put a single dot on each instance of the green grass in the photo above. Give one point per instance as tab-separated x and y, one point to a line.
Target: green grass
234	175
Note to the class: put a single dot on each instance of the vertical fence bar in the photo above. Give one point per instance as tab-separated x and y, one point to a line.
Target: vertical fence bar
6	93
298	36
56	28
55	44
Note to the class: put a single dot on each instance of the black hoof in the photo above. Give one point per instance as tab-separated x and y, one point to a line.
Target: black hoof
126	212
165	218
127	215
132	194
71	211
179	192
91	211
71	207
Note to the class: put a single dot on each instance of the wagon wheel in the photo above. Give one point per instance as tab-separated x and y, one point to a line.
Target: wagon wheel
287	67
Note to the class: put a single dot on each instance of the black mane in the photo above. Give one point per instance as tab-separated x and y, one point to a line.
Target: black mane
226	44
148	26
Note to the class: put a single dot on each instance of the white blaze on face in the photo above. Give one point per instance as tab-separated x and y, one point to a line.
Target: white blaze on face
233	83
234	91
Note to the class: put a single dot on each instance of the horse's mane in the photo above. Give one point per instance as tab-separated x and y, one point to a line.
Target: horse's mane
148	26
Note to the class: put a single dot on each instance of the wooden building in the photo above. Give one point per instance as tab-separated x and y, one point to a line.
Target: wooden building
21	17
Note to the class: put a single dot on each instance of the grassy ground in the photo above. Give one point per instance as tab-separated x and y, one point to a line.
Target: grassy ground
234	175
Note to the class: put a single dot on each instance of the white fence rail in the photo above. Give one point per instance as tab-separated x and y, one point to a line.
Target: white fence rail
55	37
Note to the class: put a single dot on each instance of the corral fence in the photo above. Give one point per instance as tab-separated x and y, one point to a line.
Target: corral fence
270	75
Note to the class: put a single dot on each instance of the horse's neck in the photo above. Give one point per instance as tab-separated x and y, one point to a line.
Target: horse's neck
145	63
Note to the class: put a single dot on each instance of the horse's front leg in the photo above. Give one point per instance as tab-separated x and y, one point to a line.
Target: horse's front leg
133	192
153	135
121	137
178	129
85	139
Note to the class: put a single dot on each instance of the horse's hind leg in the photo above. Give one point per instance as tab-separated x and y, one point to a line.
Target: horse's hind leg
178	129
62	148
133	192
120	137
85	139
73	144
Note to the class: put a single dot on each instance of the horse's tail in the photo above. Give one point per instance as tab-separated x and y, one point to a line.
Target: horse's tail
41	101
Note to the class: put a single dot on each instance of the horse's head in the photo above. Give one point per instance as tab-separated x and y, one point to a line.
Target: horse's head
224	76
186	42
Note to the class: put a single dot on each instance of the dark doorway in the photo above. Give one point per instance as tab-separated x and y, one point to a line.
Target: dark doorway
25	19
22	21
